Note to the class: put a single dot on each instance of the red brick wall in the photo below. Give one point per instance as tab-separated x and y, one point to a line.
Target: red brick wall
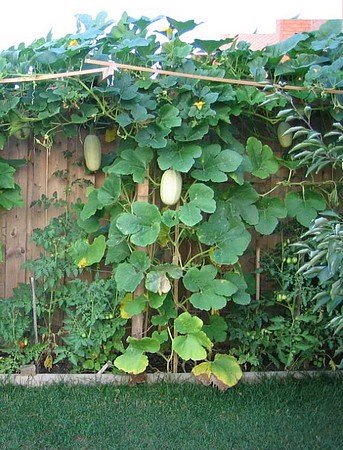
287	27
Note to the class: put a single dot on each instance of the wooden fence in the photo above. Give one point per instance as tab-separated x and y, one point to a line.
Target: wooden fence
52	171
46	172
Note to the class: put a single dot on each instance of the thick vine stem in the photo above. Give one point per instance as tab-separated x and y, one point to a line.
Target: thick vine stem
176	258
137	323
302	184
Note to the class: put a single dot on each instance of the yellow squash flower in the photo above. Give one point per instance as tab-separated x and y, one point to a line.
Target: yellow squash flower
82	263
73	43
199	105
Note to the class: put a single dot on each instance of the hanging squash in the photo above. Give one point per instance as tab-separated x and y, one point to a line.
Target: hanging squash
92	152
285	140
171	186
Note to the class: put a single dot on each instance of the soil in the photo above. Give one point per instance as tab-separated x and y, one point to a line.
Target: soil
60	367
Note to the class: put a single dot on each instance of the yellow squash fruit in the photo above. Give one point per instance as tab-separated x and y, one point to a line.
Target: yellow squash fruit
285	140
92	152
171	186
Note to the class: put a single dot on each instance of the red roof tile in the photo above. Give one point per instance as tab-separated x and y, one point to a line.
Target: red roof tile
258	41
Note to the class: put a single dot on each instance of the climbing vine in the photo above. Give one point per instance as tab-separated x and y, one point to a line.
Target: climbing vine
221	138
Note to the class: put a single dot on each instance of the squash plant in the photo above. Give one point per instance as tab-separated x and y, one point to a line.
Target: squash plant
198	150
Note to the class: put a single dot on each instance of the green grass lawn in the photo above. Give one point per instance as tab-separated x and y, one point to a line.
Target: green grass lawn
305	414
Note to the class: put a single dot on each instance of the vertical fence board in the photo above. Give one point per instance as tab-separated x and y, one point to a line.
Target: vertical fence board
29	199
16	225
57	176
37	212
3	264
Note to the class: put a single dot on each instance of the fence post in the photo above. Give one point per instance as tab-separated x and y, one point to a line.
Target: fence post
142	195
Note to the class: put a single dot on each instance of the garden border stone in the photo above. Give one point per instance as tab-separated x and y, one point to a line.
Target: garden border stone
44	379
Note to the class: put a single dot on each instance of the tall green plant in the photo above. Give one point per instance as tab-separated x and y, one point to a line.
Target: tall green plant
221	138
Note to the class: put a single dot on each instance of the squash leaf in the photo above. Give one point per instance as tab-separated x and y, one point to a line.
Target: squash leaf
132	162
243	199
86	254
241	296
178	156
192	342
216	330
223	372
201	199
214	163
208	292
262	158
129	274
143	225
304	207
227	235
270	210
132	361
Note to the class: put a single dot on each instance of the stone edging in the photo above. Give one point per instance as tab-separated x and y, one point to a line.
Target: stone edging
106	378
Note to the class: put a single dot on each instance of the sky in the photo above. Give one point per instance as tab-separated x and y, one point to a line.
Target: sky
24	21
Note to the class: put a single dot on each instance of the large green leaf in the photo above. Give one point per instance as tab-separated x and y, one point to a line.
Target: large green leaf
143	225
193	342
6	176
216	330
282	48
241	297
127	278
132	361
214	163
243	199
144	344
128	275
186	323
200	199
250	95
131	306
117	247
155	300
84	113
86	254
152	136
182	27
11	198
262	158
132	162
91	206
223	372
187	133
166	311
192	346
178	156
169	117
157	280
107	195
109	192
226	234
210	45
270	210
304	206
208	292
